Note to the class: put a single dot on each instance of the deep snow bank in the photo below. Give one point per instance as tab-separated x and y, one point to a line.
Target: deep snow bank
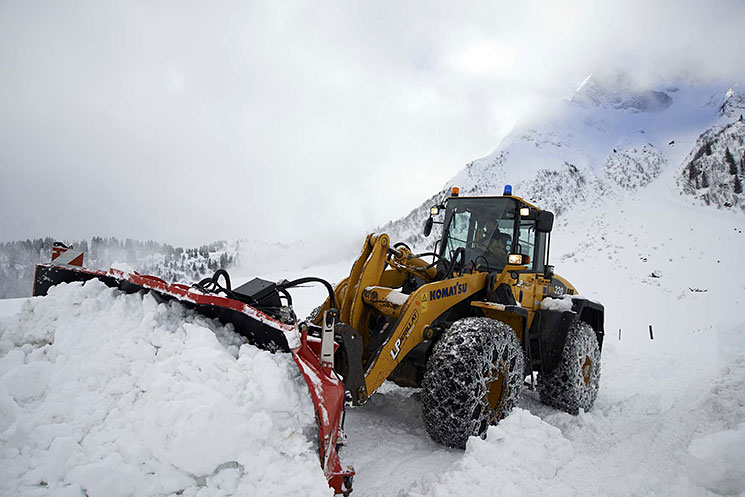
106	394
520	456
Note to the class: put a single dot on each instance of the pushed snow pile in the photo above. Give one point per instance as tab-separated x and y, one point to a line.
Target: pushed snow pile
107	394
518	457
716	457
717	461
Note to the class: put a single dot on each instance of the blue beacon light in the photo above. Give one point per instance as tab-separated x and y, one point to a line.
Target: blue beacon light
507	190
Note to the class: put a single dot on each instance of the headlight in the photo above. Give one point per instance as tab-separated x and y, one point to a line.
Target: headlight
518	259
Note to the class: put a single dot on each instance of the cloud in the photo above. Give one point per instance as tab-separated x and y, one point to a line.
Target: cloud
187	122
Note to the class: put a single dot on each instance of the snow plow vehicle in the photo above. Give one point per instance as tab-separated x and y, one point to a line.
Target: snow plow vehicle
470	326
467	327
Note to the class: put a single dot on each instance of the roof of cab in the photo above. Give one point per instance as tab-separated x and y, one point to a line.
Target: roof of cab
519	199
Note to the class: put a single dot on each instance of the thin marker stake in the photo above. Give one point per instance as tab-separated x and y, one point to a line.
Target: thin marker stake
651	336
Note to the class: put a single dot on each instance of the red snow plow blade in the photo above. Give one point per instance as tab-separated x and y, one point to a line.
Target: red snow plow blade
261	329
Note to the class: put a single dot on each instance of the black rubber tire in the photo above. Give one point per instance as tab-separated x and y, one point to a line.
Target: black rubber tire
574	384
473	379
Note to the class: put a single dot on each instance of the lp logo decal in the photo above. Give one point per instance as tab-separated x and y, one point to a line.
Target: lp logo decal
407	330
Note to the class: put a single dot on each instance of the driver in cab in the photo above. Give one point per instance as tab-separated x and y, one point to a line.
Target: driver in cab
495	244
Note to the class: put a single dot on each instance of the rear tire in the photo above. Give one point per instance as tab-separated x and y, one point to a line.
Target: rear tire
574	384
473	379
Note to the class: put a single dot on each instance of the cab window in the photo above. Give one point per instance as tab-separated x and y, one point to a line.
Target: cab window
482	227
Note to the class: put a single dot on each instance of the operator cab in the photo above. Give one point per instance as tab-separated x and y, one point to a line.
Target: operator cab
487	233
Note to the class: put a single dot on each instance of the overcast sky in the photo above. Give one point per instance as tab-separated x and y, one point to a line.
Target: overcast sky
187	122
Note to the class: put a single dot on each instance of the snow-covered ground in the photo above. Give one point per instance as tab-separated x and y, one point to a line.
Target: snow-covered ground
117	395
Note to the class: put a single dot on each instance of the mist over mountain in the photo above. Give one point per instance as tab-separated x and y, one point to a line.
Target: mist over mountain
607	140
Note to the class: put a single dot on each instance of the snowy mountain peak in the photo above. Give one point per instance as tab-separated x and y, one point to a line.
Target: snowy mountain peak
733	105
620	94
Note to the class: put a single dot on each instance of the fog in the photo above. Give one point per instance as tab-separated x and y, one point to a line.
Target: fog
187	122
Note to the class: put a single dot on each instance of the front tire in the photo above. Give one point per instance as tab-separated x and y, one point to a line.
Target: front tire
473	379
574	384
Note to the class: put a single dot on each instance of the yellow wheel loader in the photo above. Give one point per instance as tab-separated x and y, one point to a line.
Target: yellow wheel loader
470	325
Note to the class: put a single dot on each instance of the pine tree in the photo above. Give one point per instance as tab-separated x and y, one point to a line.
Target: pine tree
704	180
738	184
692	172
730	161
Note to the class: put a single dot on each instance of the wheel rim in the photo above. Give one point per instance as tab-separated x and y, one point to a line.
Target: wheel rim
496	386
587	371
495	390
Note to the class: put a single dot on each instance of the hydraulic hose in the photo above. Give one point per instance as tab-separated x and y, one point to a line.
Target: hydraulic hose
312	279
434	261
460	251
212	284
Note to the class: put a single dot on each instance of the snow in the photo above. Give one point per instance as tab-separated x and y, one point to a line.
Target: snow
11	306
123	267
716	461
397	298
112	394
527	452
668	419
557	304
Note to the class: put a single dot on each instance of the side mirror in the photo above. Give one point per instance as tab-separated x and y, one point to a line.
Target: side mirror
544	222
428	226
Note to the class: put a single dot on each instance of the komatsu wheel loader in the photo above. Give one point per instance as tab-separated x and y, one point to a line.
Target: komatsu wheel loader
471	325
467	327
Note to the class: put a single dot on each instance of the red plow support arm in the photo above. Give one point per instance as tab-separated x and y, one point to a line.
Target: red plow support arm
327	392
